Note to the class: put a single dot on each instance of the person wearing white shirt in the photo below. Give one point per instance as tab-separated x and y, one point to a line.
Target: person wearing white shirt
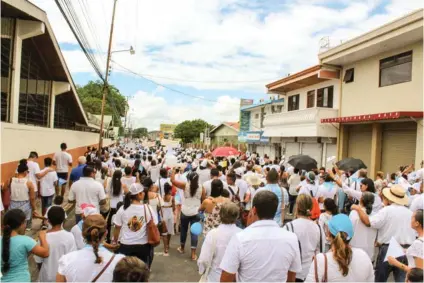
216	241
308	187
393	220
326	190
418	202
415	253
162	180
207	185
342	263
309	234
60	243
363	236
131	226
63	161
93	263
294	181
48	185
154	171
128	179
252	255
204	172
86	190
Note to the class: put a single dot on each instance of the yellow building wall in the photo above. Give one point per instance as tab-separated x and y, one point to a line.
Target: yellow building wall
364	96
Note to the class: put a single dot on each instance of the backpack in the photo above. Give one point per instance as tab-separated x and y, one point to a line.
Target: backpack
235	196
316	211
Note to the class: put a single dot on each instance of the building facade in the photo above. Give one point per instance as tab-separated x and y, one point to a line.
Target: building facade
297	129
381	107
226	132
40	107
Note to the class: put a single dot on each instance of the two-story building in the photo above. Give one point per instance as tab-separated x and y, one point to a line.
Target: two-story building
380	117
311	95
252	127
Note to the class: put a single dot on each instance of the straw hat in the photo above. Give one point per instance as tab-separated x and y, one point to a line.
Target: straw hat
396	194
253	180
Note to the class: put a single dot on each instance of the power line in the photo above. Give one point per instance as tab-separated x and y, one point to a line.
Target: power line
167	87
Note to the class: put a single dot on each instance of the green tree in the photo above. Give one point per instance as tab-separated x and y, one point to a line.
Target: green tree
188	131
91	96
140	133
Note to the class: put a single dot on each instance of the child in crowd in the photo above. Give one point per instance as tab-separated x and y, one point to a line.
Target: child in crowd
57	201
167	215
60	243
131	269
118	206
331	209
48	185
415	275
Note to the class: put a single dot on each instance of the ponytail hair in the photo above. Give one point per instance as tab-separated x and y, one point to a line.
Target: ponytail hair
342	252
167	188
368	201
304	205
94	229
116	183
13	219
127	200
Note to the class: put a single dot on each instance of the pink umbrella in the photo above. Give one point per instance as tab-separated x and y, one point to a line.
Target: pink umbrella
225	151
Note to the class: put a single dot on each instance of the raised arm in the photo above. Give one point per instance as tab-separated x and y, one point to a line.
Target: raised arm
177	183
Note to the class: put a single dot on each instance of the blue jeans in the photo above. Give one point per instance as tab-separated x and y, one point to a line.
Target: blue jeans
383	268
185	221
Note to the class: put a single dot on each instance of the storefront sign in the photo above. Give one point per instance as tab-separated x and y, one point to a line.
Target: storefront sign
253	136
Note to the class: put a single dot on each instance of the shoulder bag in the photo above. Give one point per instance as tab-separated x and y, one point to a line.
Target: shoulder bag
204	277
153	235
162	224
325	277
104	269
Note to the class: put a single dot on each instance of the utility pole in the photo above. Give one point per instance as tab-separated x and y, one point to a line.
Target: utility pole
105	87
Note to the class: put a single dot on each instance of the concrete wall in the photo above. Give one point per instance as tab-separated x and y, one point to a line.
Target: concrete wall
364	96
419	154
18	140
303	93
224	131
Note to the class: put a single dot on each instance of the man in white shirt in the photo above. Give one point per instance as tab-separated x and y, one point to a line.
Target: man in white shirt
63	161
241	184
48	185
208	184
86	190
255	254
393	220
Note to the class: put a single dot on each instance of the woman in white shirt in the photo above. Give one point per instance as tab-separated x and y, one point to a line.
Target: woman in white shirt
128	179
342	263
87	264
115	190
160	183
415	252
326	190
154	171
216	241
363	236
194	194
366	185
293	182
130	225
309	234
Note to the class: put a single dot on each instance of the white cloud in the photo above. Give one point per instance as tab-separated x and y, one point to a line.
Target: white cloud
222	40
149	110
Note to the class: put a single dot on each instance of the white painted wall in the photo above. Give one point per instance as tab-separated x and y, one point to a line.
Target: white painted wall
18	140
364	96
303	93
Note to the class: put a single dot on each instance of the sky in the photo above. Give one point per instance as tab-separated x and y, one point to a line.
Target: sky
196	59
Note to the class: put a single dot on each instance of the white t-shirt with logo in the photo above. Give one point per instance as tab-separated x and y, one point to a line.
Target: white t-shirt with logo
80	266
47	183
60	243
62	159
133	223
33	169
360	268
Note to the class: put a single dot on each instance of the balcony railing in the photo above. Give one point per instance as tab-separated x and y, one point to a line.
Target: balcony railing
304	116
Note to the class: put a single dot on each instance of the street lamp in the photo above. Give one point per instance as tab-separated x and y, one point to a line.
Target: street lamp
131	50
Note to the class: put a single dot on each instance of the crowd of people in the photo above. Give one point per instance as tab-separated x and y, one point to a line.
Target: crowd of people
260	220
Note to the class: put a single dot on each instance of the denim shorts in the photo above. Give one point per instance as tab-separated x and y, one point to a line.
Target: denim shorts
47	201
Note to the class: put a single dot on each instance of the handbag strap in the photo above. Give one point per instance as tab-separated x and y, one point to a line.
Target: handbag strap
325	277
104	269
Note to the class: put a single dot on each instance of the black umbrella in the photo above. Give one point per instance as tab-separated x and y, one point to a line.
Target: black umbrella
351	163
303	162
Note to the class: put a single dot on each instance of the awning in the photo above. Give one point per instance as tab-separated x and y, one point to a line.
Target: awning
374	117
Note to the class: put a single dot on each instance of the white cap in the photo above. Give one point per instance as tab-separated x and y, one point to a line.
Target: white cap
136	189
239	171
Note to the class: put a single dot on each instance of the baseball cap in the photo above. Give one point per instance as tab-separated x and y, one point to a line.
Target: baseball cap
239	171
341	223
310	176
136	189
88	209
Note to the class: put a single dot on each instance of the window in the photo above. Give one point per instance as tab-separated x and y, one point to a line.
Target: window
276	108
293	102
396	69
349	75
325	97
310	101
257	116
